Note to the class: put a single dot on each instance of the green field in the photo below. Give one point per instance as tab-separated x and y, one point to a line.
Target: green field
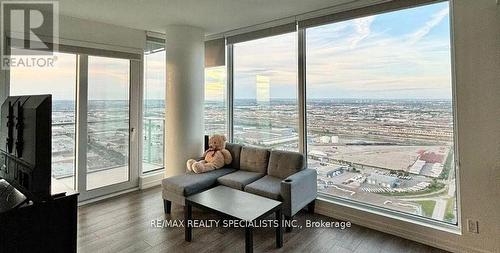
427	207
449	214
447	165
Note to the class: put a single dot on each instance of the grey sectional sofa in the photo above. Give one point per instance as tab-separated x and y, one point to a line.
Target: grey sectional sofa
279	175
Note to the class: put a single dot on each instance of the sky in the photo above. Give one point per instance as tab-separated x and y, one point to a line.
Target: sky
403	55
398	55
108	79
154	76
60	81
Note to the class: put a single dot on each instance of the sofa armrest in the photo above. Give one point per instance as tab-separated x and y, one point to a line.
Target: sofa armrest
298	190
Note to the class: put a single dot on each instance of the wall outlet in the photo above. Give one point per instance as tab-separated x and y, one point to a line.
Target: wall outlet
473	226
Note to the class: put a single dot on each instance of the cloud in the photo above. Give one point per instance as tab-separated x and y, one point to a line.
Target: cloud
427	27
363	57
362	26
215	84
274	57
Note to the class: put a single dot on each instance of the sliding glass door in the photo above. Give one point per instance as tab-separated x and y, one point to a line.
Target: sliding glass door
94	121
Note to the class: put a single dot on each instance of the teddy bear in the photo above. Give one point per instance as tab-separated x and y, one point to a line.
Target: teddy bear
215	157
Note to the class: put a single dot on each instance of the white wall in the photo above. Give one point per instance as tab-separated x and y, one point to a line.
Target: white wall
477	66
87	33
477	57
80	32
184	108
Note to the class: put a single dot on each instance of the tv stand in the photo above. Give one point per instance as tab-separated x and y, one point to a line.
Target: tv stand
48	226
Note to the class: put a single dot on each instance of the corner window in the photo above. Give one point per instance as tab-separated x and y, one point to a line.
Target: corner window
380	111
215	100
265	92
154	106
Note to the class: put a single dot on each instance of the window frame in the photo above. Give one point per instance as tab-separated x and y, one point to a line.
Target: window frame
157	39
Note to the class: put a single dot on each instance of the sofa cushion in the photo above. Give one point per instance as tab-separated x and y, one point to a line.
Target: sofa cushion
285	163
189	184
239	179
254	159
235	150
268	187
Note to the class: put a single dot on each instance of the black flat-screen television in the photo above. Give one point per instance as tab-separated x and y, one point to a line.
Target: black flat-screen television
25	144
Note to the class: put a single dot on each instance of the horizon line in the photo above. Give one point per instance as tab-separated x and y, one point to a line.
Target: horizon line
210	100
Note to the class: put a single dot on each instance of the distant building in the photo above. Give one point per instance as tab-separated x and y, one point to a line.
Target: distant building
317	153
328	139
436	170
335	172
382	180
417	167
335	139
324	139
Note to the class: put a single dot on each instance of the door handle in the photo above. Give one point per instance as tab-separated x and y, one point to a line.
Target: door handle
132	131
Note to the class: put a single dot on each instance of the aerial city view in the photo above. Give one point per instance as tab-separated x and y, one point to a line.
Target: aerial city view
108	133
108	128
396	154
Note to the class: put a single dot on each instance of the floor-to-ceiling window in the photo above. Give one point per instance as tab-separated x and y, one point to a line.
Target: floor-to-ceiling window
154	106
380	110
215	100
265	92
60	81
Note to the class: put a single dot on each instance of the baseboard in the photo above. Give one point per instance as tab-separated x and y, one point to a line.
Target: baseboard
107	196
356	217
149	181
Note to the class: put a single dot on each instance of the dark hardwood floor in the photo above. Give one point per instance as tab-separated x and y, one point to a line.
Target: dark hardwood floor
123	224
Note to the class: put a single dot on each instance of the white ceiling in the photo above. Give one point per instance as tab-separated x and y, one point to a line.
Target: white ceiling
214	16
